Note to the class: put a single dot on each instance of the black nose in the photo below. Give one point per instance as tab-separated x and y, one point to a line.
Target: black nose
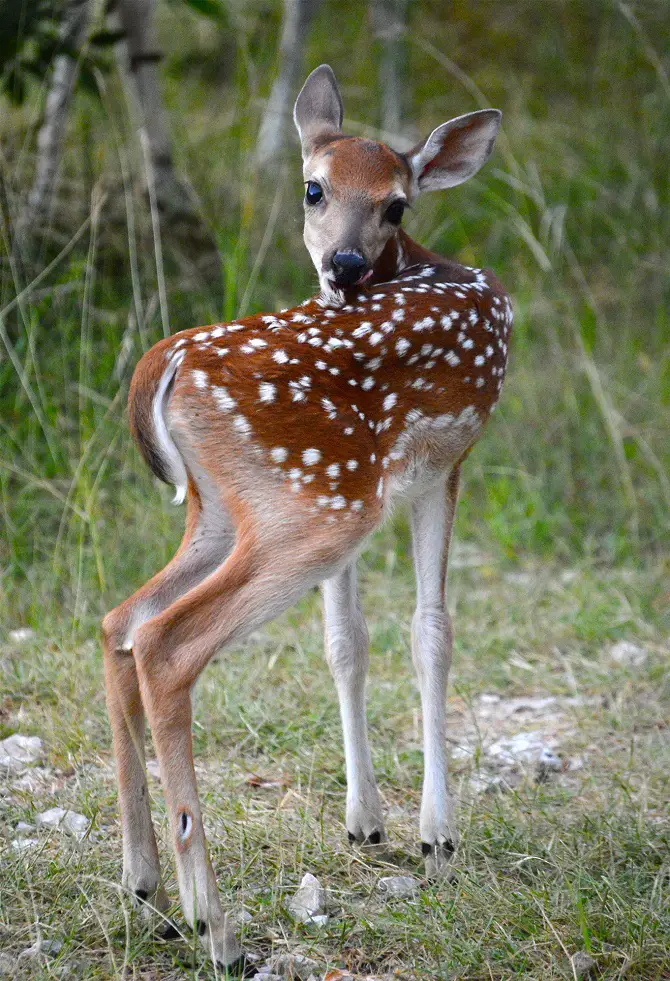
348	267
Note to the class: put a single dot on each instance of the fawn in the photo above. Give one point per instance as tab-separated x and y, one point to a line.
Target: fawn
290	435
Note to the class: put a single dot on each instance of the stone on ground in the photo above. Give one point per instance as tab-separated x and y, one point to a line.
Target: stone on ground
399	886
296	967
308	902
17	751
58	817
626	653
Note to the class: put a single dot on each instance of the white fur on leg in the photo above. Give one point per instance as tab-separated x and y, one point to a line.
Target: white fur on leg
348	658
432	518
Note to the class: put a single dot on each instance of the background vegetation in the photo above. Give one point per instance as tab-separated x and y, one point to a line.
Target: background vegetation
566	505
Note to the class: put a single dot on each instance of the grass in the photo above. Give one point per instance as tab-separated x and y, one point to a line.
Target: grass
577	863
562	529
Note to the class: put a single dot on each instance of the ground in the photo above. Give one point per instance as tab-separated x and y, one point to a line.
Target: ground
561	857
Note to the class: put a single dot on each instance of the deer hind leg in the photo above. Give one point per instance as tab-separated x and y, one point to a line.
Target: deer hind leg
207	541
432	522
347	652
262	577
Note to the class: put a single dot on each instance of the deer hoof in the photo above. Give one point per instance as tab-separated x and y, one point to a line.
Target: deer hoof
439	859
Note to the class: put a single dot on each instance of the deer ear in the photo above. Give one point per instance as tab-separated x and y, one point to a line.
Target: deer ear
318	108
455	150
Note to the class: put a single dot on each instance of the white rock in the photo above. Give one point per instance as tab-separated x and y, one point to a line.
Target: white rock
22	828
309	900
154	769
525	747
626	653
57	817
400	886
21	636
50	948
289	966
17	751
23	844
481	783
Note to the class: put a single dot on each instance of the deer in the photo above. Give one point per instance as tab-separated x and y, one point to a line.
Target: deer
291	435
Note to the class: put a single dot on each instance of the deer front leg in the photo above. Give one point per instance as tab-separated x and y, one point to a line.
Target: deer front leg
347	651
432	521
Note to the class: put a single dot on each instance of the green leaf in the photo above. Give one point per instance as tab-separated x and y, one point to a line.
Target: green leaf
213	9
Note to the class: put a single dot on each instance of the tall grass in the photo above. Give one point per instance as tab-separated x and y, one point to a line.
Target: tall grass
573	215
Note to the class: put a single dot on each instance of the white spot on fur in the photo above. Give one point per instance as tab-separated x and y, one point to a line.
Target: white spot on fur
223	398
242	425
267	392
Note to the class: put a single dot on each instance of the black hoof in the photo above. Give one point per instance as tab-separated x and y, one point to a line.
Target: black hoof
142	894
168	931
447	847
241	968
374	838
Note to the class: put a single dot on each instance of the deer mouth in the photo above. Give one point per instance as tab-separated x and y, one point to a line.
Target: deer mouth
347	281
364	278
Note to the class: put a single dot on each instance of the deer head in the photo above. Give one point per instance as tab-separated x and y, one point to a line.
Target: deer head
356	190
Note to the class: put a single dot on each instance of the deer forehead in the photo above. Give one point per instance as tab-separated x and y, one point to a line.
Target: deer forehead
353	166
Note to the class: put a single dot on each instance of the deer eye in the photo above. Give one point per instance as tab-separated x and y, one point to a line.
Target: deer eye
313	193
394	212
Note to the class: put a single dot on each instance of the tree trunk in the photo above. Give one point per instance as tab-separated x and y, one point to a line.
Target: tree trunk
37	210
390	26
175	198
276	124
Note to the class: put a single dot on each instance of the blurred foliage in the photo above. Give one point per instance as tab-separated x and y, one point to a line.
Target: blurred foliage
29	38
573	213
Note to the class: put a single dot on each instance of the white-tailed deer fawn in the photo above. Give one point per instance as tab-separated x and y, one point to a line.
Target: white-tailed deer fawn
291	434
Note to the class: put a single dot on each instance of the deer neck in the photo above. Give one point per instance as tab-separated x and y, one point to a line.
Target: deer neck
400	252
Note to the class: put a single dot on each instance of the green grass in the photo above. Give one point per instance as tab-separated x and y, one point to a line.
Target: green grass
580	862
565	510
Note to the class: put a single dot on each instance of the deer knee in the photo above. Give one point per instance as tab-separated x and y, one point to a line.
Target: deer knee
347	648
115	631
432	637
